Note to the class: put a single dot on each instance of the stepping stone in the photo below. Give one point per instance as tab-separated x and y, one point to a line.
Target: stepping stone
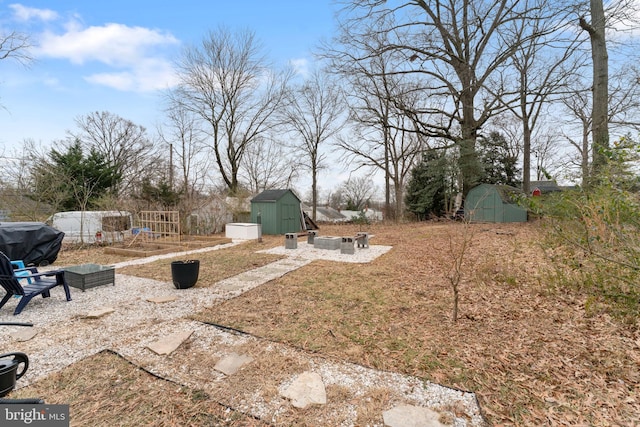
170	343
230	364
411	416
163	299
307	389
24	335
99	313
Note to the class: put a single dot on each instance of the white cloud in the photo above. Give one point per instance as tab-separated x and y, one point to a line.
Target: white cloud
124	81
24	13
149	75
300	66
133	55
111	44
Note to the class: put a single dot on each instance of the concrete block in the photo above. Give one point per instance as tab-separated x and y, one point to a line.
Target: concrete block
363	239
327	242
346	246
291	241
311	236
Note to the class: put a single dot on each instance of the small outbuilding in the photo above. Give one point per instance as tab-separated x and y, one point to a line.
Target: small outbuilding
539	188
278	211
494	203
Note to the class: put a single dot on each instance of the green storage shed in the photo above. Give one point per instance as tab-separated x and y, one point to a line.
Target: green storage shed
494	203
279	211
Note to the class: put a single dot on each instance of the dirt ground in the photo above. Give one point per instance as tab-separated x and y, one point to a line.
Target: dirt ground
524	345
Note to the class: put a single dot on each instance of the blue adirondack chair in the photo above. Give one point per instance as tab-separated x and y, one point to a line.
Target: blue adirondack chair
18	264
41	283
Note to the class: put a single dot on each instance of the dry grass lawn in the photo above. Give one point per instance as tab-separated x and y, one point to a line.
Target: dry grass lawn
106	390
527	348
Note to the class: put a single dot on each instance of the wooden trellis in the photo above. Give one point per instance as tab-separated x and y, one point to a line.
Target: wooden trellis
163	225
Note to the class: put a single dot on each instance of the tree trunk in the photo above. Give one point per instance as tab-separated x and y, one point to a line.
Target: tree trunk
469	164
526	158
526	134
585	154
600	58
314	191
387	177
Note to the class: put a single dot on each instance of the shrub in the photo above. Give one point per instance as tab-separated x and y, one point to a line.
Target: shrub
593	236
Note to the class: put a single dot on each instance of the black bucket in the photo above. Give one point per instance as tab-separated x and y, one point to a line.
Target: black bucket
9	371
185	273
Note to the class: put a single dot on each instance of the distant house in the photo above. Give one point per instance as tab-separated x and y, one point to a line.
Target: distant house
329	214
539	188
370	214
16	207
325	214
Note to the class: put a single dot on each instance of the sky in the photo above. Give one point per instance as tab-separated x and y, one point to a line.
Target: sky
117	55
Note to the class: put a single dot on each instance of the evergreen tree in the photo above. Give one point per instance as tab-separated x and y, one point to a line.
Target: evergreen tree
499	161
425	195
159	195
72	181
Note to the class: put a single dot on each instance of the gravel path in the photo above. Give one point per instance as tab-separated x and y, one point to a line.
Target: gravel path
65	335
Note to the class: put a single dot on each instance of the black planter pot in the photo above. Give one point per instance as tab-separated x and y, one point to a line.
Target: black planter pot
9	370
185	273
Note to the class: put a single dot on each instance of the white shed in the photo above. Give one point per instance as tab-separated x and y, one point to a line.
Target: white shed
91	226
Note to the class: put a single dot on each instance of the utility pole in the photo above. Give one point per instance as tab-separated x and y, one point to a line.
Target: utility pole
171	166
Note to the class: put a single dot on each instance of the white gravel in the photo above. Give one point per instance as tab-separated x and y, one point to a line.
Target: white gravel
65	336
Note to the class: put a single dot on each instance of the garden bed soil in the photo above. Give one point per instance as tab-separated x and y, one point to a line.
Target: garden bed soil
161	247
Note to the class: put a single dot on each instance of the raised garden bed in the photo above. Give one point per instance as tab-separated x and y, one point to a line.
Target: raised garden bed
141	250
164	247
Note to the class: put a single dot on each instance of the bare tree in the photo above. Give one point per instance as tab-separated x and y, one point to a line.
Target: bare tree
227	83
314	114
19	192
380	136
577	104
357	192
454	47
623	108
540	72
124	144
267	165
545	149
186	145
187	154
15	45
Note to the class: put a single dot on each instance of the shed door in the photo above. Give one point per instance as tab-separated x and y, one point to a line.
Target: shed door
289	222
483	205
491	207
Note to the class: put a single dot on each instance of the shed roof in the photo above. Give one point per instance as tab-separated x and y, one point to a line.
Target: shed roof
329	212
507	193
271	195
